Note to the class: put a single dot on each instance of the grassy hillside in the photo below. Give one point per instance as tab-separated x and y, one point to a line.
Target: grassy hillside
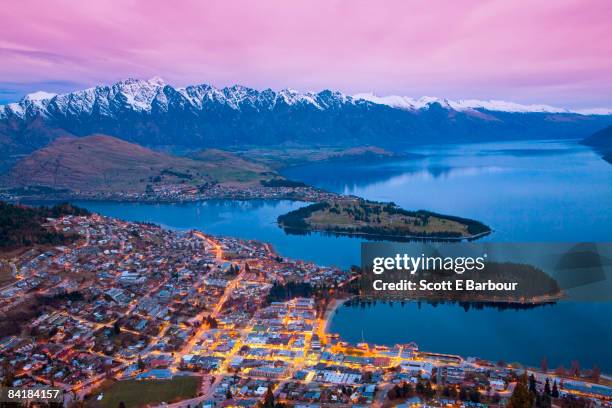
104	163
276	157
355	217
230	167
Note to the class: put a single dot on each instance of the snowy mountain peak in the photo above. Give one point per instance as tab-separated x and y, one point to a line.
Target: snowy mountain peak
157	81
39	96
405	102
137	95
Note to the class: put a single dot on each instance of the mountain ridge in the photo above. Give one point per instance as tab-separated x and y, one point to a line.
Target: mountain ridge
151	113
141	94
601	141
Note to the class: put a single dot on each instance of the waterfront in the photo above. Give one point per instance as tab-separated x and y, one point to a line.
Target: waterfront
252	219
562	332
525	191
529	191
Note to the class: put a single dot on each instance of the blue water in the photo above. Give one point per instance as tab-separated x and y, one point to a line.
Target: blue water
526	191
562	332
254	219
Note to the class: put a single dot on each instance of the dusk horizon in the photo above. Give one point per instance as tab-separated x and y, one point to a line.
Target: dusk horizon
536	54
306	204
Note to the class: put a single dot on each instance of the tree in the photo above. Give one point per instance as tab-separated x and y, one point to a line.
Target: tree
7	372
521	397
532	384
547	387
393	393
555	391
116	327
475	395
429	391
211	322
141	364
543	401
268	398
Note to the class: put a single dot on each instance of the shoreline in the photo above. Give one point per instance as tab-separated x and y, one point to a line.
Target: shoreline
150	201
156	201
540	300
337	303
331	310
383	237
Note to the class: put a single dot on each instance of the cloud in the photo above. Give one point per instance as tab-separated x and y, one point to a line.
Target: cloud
35	55
467	49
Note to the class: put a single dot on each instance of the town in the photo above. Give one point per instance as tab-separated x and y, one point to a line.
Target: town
175	193
219	321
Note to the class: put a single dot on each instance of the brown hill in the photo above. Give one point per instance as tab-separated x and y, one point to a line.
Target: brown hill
104	163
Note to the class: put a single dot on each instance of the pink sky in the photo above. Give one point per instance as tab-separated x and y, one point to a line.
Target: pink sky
557	52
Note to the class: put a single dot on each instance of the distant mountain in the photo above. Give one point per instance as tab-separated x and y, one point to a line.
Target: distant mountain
152	113
102	163
601	139
602	142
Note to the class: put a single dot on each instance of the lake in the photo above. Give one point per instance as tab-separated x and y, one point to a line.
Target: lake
526	191
562	332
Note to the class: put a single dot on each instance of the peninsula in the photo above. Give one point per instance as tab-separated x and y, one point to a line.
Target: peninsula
355	216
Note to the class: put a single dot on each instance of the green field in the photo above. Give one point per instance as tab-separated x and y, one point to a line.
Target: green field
138	393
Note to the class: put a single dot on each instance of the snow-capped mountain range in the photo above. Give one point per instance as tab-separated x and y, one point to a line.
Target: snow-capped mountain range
154	94
152	113
147	95
405	102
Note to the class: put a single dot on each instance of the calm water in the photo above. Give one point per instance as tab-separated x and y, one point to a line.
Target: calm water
529	191
563	332
526	191
254	219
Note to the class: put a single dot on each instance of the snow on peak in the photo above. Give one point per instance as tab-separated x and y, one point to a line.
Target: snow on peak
401	102
293	97
503	106
157	81
39	96
138	94
405	102
594	111
145	95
